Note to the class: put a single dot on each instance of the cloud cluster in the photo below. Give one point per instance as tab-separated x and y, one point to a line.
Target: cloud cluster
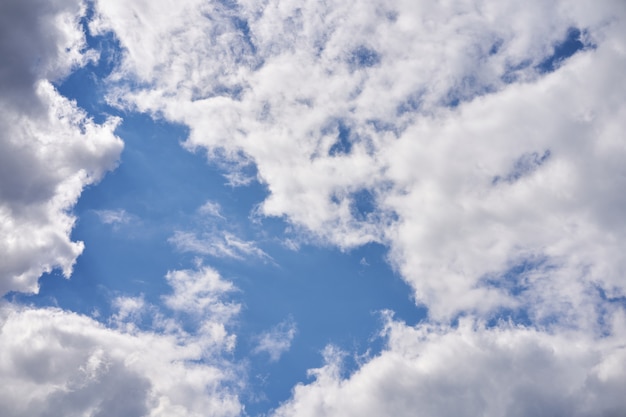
462	136
49	148
60	363
451	132
472	370
437	129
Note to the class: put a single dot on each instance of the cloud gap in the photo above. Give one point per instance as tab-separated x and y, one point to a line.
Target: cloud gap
525	165
343	145
363	57
563	51
363	204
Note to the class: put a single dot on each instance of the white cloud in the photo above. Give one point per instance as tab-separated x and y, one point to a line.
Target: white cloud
200	293
276	340
496	187
60	363
286	94
211	209
49	148
222	245
46	161
114	217
216	240
438	371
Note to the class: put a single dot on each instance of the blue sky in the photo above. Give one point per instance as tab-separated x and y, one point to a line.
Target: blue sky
312	209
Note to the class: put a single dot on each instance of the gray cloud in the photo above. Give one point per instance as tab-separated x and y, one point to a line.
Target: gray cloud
38	41
49	148
56	362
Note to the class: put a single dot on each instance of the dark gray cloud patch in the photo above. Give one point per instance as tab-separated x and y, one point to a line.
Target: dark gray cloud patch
34	46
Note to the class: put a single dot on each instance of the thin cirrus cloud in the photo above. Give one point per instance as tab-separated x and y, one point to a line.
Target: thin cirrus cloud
215	239
478	141
113	217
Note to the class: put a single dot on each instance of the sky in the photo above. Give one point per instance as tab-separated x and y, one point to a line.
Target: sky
300	208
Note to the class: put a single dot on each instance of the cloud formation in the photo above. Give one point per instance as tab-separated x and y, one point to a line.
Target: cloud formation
481	141
454	133
49	148
276	340
439	130
213	236
57	362
472	370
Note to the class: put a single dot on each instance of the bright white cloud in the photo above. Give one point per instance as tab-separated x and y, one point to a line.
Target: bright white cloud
276	340
472	370
337	100
200	293
429	127
49	148
60	363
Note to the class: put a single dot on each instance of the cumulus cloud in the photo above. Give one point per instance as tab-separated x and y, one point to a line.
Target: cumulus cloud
57	362
200	293
471	370
39	40
49	148
276	340
450	132
475	156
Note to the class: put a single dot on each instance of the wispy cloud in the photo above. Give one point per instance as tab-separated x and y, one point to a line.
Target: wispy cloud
211	209
276	340
114	217
219	244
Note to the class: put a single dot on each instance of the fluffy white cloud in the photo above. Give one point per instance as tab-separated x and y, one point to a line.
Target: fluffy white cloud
431	127
49	148
438	371
60	363
427	126
200	293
